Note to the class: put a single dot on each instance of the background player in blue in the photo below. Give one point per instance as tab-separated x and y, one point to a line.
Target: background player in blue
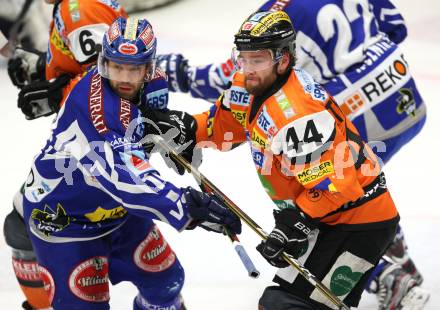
351	48
91	196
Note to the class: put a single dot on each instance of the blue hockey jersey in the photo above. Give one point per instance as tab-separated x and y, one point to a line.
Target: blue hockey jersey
93	170
350	47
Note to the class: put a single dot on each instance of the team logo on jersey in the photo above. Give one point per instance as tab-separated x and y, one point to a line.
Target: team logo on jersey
96	106
50	221
89	280
49	285
101	214
154	254
406	102
127	49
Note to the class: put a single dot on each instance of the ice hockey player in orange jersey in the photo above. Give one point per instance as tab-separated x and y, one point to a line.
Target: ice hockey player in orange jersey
334	210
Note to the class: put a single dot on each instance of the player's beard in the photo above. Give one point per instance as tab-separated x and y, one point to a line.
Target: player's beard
256	84
126	90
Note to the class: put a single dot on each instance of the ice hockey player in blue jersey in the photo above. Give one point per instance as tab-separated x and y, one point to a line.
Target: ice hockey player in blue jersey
92	195
351	48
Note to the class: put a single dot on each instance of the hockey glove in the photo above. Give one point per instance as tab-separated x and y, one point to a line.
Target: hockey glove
26	65
209	213
42	98
289	235
176	68
179	130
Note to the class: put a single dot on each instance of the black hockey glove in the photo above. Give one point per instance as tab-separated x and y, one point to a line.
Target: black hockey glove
176	68
26	66
209	213
42	98
289	235
179	130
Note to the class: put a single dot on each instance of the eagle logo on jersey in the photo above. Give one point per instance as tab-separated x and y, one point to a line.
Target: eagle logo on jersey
50	221
406	102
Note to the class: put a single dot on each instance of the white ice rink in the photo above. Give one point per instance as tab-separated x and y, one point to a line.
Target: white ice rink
203	31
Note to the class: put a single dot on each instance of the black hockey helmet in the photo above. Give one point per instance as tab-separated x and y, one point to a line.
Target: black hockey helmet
267	30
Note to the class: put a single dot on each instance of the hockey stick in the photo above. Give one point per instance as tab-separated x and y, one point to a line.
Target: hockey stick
239	248
202	180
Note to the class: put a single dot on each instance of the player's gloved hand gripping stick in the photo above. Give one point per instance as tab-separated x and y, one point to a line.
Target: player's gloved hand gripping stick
203	181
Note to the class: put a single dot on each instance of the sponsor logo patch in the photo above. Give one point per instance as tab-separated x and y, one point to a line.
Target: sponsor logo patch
49	285
343	280
125	113
240	116
96	107
352	103
127	49
89	280
101	214
113	32
388	77
315	173
147	36
154	254
158	99
239	96
26	270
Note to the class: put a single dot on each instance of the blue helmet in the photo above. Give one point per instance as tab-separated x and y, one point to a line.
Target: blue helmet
129	41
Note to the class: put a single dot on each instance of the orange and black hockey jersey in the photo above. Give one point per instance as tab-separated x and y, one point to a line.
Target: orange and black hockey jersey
76	28
306	152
